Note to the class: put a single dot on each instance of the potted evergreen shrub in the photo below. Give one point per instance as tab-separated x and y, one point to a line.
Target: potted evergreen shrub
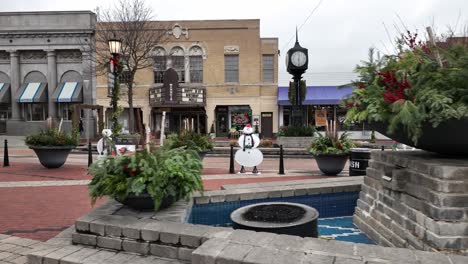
331	151
417	96
190	140
147	180
52	146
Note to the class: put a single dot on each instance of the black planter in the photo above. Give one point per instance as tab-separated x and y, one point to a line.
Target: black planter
202	154
52	157
331	164
448	138
144	202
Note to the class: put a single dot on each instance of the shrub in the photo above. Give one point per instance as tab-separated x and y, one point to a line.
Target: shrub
266	143
53	137
331	143
296	131
162	173
189	140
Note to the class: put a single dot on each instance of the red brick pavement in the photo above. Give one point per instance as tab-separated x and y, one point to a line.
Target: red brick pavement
25	210
36	172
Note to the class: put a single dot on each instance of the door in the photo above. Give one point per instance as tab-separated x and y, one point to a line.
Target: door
221	124
267	124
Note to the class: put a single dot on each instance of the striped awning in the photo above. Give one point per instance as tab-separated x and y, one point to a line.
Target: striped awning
68	92
5	93
33	92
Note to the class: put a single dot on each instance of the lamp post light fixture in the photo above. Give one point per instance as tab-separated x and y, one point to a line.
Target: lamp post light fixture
115	48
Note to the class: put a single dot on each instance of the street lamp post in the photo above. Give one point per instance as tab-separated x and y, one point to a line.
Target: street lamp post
115	47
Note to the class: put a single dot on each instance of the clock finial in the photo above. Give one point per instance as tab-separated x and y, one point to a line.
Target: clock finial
297	40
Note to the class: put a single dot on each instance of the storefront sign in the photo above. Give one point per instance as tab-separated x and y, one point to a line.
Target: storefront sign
320	118
255	120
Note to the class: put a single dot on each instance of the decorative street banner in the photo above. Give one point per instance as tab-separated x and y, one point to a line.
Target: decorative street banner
320	118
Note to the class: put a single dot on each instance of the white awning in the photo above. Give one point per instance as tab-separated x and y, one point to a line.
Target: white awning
68	92
33	92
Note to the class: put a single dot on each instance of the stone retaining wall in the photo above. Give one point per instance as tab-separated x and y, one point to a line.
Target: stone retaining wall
114	233
415	199
294	142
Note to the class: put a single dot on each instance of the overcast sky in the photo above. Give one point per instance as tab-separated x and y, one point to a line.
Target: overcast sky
338	34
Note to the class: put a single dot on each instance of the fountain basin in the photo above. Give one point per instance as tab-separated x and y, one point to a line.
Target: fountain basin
277	217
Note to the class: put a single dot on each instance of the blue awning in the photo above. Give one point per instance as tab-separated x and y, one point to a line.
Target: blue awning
5	93
317	95
33	92
68	92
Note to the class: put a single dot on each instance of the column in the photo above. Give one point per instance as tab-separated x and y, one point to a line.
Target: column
187	69
52	81
89	91
15	84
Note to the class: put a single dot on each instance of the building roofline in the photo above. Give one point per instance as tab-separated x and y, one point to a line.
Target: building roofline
46	12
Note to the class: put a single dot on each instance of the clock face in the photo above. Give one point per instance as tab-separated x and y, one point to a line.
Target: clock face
298	58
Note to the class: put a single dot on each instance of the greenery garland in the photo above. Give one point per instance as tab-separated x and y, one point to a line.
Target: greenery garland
115	97
292	91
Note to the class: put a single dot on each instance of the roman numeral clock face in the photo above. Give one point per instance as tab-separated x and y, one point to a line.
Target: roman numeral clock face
298	58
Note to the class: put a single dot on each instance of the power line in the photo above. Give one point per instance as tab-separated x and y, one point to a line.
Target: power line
305	21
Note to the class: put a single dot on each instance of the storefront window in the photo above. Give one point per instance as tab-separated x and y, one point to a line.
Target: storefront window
5	111
65	111
240	119
35	112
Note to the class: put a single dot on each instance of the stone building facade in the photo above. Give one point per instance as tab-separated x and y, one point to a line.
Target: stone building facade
45	68
227	76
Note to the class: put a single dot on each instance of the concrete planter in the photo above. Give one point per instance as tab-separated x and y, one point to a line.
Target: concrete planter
294	142
331	164
52	157
144	202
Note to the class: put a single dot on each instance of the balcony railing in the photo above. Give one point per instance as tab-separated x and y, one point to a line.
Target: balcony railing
181	96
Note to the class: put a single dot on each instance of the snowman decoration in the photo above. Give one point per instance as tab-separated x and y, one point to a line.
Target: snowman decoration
248	155
103	143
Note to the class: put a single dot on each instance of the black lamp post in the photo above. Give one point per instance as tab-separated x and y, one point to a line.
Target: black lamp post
297	60
115	48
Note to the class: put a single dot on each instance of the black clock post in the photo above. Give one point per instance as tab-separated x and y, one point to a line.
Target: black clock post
297	60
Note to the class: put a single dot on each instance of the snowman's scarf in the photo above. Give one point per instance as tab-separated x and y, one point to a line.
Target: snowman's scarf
251	139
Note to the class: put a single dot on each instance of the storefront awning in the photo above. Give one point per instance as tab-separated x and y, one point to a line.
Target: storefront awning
5	93
68	92
33	92
317	95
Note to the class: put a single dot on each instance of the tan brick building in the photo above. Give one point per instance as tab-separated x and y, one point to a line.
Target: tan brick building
227	76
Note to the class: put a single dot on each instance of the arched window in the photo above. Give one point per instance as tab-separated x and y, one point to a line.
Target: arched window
196	64
159	66
178	62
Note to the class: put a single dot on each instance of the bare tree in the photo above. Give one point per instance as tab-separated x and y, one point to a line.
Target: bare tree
130	21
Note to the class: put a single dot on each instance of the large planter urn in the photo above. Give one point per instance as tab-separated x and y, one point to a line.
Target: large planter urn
448	138
52	157
144	202
331	164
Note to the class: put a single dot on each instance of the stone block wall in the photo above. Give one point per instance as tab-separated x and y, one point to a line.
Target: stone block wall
415	199
295	142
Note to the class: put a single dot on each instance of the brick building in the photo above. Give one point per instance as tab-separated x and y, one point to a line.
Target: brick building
227	76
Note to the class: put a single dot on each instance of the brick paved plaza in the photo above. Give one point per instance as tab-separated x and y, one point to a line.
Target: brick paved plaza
39	203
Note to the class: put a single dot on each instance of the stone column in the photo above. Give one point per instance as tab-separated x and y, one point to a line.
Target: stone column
187	69
52	81
89	91
15	84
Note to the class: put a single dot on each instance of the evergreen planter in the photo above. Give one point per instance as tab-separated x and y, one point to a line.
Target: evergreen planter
294	142
52	157
448	138
144	202
331	164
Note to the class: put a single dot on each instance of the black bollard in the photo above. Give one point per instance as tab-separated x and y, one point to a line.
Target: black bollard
231	161
6	159
281	164
90	154
383	147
